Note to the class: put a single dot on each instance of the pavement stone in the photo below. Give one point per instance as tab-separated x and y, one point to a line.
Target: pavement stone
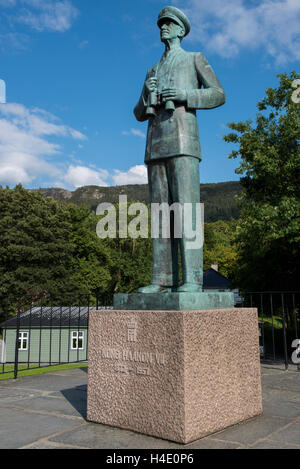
55	381
289	434
282	380
249	432
48	412
269	444
102	436
15	395
55	404
96	436
47	445
281	408
19	428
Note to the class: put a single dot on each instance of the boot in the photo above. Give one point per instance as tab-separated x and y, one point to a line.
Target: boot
190	288
154	289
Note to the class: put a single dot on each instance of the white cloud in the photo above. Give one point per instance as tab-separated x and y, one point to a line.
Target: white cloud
83	44
47	15
13	41
135	133
7	3
38	122
229	27
78	176
135	175
27	153
40	15
24	148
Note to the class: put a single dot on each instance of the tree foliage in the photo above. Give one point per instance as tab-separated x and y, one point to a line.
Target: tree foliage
268	232
35	251
49	248
220	247
107	266
131	265
91	260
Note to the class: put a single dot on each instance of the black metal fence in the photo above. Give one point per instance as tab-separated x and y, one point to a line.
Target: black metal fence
278	314
44	330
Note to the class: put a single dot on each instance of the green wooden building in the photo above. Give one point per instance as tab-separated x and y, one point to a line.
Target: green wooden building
47	335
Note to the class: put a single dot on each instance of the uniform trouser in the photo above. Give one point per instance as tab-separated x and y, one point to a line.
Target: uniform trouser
175	180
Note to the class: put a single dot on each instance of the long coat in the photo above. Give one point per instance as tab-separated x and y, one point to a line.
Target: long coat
176	134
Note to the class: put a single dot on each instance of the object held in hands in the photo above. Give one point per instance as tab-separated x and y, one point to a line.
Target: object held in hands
170	106
152	100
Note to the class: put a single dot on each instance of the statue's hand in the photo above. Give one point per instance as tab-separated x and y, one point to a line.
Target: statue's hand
151	85
171	94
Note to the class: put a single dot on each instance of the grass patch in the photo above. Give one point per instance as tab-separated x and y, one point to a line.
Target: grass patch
23	370
277	320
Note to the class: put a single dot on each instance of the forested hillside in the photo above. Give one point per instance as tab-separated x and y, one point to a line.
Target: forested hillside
220	199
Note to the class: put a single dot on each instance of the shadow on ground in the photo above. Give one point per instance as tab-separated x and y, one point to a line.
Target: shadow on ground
77	397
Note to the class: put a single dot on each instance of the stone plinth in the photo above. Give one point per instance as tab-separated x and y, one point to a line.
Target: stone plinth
177	375
174	301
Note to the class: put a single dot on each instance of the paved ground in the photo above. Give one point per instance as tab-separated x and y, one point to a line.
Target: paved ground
48	411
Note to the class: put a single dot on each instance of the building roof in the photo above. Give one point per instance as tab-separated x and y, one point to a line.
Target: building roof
55	316
213	279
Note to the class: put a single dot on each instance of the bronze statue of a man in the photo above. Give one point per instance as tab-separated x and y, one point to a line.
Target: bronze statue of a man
175	88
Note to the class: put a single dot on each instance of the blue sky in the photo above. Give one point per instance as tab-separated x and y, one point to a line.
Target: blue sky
74	70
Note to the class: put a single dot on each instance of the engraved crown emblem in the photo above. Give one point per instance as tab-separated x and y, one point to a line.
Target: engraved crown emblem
132	324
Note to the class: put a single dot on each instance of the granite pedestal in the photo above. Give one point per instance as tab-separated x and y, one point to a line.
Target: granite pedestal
177	375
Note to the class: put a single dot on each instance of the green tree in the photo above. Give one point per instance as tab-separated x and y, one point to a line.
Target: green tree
35	248
220	247
131	259
92	258
268	232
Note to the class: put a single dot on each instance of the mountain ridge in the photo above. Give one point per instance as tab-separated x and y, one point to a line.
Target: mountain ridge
220	199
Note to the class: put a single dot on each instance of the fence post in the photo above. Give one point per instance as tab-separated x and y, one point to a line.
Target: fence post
295	316
284	334
4	334
17	342
263	321
273	335
87	329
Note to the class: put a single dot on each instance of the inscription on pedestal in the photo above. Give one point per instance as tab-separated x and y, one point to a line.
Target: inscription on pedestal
132	331
127	358
149	359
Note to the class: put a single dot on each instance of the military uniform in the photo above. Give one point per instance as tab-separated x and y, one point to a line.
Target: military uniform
177	134
173	148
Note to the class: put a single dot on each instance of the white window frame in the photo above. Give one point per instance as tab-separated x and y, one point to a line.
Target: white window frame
77	335
23	337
